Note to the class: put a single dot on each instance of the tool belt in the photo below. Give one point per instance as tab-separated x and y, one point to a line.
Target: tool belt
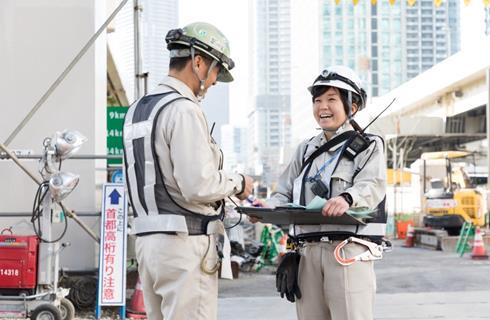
332	236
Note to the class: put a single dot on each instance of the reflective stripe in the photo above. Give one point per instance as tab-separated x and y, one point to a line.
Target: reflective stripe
161	222
128	144
166	215
150	173
137	130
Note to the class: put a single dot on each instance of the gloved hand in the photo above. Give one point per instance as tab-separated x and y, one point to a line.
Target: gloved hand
287	276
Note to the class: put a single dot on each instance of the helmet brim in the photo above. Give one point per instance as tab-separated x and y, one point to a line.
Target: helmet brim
332	83
224	75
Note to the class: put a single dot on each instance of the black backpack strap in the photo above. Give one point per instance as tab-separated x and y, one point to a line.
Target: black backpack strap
326	146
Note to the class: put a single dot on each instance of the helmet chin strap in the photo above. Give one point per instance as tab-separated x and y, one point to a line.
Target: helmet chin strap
202	82
350	116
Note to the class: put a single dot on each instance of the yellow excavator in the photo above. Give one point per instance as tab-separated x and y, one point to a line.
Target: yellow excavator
451	199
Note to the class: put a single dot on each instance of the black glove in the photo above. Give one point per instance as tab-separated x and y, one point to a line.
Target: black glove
287	277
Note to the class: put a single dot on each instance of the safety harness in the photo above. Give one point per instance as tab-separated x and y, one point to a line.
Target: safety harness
374	251
375	244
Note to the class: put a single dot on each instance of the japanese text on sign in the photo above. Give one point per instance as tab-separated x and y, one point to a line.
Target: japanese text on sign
112	280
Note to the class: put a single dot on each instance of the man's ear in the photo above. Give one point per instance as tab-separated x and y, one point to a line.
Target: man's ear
198	60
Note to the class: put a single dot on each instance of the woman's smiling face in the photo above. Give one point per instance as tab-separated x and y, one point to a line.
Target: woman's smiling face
328	110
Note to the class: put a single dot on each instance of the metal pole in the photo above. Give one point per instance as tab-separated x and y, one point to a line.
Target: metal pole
63	74
68	212
488	138
394	175
16	160
402	151
137	50
74	157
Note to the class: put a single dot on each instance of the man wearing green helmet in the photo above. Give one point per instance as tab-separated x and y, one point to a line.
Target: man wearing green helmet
175	179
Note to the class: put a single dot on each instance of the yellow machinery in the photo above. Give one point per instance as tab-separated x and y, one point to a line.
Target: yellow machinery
451	199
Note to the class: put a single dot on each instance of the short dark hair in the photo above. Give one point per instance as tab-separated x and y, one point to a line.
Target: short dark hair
317	91
179	63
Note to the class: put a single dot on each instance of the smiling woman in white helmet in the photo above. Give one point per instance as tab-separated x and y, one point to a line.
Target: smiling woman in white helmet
347	169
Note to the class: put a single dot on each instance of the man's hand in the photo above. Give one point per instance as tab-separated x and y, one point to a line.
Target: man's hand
253	220
258	204
247	190
335	206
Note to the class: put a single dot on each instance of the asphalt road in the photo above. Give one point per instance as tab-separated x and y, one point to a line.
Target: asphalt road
404	270
413	283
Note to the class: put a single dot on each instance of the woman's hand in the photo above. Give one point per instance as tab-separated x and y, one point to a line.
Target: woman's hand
335	207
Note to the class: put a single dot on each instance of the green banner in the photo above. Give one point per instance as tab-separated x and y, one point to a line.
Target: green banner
115	122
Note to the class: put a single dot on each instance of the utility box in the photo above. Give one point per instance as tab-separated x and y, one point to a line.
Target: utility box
18	261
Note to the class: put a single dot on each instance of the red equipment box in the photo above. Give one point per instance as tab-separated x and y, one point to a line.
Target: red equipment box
18	261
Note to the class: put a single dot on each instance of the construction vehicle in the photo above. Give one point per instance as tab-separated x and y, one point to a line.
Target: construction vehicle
451	199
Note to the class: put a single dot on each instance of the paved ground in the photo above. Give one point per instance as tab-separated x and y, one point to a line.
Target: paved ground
413	283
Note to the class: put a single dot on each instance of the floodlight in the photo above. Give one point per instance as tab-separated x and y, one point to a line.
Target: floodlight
62	184
67	143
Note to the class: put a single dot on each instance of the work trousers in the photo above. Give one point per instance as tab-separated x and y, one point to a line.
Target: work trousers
174	286
331	291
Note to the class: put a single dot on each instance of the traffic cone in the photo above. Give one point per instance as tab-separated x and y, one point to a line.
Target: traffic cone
136	308
409	239
478	252
283	245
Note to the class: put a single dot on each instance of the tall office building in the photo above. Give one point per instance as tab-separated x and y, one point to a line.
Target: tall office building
432	34
273	67
121	43
216	107
389	44
157	17
234	147
487	21
385	44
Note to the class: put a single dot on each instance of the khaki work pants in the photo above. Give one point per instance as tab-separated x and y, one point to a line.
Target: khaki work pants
174	286
331	291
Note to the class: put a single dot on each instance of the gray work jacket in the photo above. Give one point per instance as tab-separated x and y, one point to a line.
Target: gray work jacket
367	188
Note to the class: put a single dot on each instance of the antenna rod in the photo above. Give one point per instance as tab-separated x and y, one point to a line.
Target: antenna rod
376	118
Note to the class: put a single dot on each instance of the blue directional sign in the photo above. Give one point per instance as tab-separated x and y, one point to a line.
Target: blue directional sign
114	196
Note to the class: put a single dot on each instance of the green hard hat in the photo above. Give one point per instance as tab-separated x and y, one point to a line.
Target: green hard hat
205	38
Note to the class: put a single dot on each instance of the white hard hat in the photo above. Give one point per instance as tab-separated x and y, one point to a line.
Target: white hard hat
341	77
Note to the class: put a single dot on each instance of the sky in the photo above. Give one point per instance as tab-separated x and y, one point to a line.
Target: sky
232	18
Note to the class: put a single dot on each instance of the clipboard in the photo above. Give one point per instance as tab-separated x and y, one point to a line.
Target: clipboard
292	215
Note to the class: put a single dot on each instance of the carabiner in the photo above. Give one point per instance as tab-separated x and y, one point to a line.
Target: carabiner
374	252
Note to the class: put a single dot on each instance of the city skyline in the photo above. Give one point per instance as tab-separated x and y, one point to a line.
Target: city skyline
272	107
234	25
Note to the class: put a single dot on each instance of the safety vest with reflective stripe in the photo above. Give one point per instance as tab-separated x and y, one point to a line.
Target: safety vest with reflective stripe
154	209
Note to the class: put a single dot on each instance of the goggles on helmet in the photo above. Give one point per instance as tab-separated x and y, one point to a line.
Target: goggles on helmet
177	35
330	76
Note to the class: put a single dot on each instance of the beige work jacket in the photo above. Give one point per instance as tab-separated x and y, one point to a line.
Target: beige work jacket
190	160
